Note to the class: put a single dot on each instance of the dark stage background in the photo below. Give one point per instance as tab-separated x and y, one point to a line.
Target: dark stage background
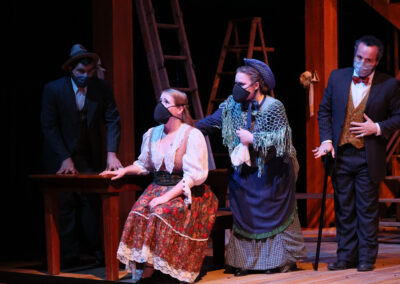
38	36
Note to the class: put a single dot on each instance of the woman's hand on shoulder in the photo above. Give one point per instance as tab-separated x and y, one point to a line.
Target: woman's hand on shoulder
114	174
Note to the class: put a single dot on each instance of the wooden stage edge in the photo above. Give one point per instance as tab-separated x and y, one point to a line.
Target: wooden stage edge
387	268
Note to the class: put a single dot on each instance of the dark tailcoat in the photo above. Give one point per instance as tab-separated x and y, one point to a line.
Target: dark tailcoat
358	172
383	106
65	130
61	122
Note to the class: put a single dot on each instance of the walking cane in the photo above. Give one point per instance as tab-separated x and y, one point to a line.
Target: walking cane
328	163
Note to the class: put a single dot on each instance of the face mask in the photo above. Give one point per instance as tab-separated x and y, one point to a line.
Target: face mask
162	114
81	81
239	94
363	70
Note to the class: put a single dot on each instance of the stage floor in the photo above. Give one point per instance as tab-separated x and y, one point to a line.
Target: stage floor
387	268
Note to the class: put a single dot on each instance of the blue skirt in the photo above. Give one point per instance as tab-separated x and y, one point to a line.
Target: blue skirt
263	206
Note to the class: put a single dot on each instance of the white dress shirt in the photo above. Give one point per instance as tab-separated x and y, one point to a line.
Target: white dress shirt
358	92
80	95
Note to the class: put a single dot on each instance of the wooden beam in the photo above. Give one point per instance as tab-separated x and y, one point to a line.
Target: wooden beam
322	57
390	11
396	53
113	41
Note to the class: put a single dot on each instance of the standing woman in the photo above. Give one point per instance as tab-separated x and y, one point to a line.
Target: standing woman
169	225
266	235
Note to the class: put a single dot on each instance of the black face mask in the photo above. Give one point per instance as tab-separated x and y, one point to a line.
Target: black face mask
162	114
239	94
80	81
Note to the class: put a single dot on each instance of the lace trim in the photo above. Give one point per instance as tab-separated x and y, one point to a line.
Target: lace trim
166	223
169	158
145	255
127	256
182	275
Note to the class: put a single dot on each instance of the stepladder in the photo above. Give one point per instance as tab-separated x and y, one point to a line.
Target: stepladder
244	38
168	54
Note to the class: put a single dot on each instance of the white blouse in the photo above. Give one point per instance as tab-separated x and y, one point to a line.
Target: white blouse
194	161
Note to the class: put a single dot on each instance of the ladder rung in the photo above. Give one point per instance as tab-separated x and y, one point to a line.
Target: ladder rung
330	196
313	195
245	47
389	224
392	200
175	57
183	89
267	49
167	26
392	178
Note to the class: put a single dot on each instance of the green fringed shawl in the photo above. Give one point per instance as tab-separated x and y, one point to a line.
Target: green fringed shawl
271	129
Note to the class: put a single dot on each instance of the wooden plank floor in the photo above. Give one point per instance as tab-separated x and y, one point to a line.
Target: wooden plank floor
387	267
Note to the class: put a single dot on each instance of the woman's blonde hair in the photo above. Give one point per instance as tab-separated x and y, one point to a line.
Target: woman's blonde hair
180	99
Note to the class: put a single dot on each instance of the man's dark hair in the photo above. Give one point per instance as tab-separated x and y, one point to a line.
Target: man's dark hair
85	62
370	40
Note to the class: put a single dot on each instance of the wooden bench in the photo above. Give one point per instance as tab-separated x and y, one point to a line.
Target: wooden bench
381	200
109	191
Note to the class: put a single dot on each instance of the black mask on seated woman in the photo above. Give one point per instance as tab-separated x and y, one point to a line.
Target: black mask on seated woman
239	94
162	114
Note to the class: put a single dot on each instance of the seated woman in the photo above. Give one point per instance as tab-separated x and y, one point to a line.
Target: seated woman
169	225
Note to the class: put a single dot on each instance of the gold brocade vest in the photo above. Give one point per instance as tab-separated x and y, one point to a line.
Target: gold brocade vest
356	115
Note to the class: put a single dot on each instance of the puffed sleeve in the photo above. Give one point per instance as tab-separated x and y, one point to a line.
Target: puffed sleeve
195	163
143	160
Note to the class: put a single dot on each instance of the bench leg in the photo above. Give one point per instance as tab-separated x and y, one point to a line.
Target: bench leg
218	243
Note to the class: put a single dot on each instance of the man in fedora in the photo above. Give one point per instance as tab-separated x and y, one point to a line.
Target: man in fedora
75	110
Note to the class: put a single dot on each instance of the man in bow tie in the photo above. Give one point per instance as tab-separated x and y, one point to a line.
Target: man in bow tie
358	113
75	110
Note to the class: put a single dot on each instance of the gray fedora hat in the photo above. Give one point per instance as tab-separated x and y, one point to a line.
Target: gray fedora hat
78	51
263	69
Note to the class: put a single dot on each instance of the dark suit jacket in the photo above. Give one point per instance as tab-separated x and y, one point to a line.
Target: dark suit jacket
383	106
60	121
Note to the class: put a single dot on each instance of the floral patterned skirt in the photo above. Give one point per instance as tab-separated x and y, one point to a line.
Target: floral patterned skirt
171	236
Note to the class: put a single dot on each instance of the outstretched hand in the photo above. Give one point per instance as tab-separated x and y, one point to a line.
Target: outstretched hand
360	129
114	174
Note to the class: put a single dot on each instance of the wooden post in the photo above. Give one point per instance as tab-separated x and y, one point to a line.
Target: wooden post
321	56
113	41
396	53
111	235
51	205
